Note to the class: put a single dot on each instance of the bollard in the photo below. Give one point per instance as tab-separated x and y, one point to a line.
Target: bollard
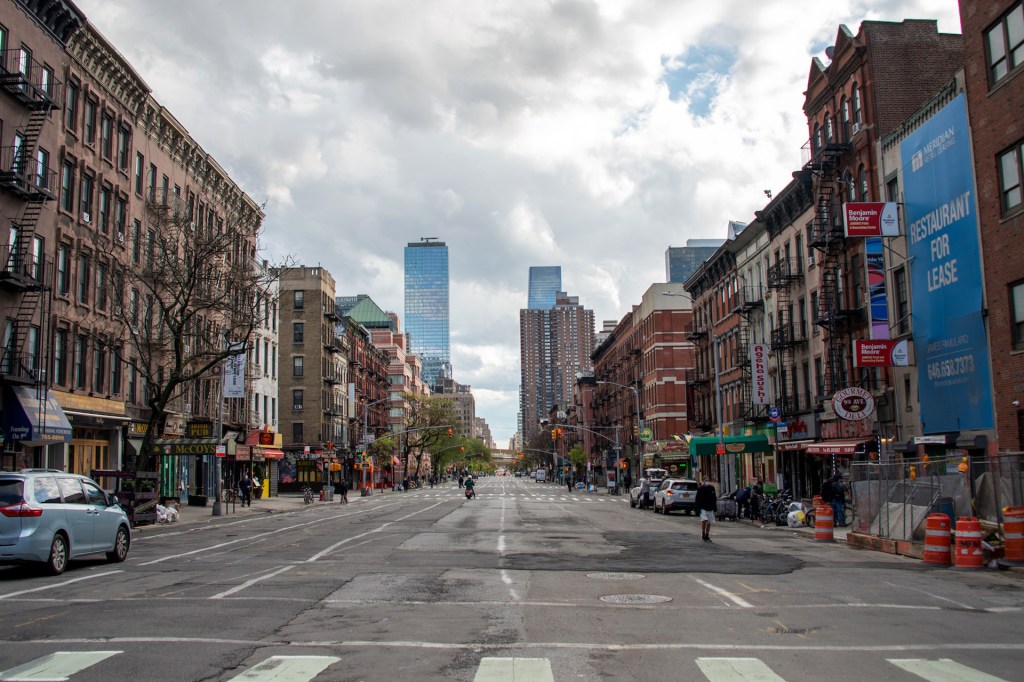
936	540
823	524
968	543
1013	534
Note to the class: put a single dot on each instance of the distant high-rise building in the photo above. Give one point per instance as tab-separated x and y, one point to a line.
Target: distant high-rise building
426	307
554	346
545	282
683	261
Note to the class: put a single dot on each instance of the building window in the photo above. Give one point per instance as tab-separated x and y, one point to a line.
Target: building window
136	240
63	270
120	216
140	167
105	200
85	197
101	286
115	372
89	121
1005	44
297	435
67	186
297	366
60	357
152	182
1017	315
899	283
79	369
855	96
71	105
42	168
297	399
131	383
83	278
107	135
99	367
1010	173
299	300
297	332
123	137
862	183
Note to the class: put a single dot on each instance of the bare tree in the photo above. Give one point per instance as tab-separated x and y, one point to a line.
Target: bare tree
193	298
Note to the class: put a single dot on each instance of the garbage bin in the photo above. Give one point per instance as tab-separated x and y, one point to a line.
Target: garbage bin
329	493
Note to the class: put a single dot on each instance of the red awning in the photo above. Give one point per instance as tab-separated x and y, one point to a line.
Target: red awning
837	447
792	445
272	453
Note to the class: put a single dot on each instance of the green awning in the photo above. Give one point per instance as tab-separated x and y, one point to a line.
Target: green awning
734	445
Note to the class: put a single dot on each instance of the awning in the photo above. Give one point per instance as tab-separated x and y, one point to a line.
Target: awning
792	445
33	420
271	453
734	445
839	447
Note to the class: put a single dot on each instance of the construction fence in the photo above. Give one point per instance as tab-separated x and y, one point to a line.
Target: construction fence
893	498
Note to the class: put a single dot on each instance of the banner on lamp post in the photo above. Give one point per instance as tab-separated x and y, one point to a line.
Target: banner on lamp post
234	373
759	373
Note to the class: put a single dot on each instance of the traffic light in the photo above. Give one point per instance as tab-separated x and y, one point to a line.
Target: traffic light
449	433
913	472
462	449
622	465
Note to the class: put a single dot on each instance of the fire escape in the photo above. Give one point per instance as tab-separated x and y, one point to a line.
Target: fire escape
26	176
749	300
698	380
828	238
787	336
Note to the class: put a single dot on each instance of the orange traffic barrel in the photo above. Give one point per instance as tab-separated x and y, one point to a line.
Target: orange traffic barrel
823	524
936	540
968	543
1013	534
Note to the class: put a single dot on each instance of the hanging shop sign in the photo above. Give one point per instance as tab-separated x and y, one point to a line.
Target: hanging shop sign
870	219
853	403
881	353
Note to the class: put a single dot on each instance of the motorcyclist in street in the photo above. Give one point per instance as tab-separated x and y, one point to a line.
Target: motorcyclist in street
469	485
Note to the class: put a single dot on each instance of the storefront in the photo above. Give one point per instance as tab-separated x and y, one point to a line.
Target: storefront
99	426
189	466
35	429
729	459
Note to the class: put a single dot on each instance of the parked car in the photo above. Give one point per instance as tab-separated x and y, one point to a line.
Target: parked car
49	516
676	493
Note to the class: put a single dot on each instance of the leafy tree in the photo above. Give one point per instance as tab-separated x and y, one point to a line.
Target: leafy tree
426	426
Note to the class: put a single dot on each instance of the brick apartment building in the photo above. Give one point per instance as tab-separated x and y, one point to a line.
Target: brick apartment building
994	74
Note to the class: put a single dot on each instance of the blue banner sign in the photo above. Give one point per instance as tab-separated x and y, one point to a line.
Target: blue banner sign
954	377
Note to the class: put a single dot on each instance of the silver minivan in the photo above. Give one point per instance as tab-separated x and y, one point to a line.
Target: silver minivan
50	516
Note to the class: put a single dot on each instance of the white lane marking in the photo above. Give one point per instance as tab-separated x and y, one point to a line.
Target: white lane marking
512	669
58	666
737	670
289	668
942	670
250	583
937	597
378	529
725	593
276	531
56	585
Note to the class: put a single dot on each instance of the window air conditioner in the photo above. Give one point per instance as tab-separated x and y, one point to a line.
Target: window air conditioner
86	218
117	310
188	408
297	406
856	128
188	349
119	237
810	261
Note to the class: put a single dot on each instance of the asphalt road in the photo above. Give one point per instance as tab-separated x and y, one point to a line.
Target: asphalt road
526	582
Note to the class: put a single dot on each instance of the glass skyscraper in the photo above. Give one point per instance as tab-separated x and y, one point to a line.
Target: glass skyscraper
545	282
426	307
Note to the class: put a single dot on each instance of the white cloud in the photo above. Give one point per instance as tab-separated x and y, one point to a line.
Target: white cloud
521	132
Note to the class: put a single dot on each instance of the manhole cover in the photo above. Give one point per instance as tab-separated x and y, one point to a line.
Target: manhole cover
635	599
616	576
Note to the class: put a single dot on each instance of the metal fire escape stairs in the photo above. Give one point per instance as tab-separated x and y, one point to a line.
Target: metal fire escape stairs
25	273
700	380
750	301
828	238
785	337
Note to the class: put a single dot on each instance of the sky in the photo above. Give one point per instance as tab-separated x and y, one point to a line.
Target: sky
590	134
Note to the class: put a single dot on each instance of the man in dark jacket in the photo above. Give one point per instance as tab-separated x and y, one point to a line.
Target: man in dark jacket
707	505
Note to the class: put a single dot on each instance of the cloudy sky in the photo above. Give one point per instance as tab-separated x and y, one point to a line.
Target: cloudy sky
590	134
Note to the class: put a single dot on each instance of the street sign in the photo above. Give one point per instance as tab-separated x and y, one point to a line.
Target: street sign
719	448
221	450
774	413
646	434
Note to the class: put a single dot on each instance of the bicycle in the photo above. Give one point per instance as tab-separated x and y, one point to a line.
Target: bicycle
307	495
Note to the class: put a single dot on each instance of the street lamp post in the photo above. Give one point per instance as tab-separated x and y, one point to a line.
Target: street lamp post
639	421
719	428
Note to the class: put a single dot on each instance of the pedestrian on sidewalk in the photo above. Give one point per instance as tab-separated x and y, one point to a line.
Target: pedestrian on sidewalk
707	504
568	482
342	492
245	488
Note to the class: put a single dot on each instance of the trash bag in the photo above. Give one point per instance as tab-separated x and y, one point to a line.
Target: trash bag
795	519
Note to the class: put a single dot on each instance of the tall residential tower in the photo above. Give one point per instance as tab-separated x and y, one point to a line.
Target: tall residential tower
545	282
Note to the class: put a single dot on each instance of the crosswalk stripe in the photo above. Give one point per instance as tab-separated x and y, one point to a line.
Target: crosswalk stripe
291	668
514	669
942	670
60	665
737	670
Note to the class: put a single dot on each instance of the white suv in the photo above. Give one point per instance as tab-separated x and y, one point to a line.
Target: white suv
676	493
50	516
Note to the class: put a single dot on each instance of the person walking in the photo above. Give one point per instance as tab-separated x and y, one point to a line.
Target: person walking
342	491
245	488
837	499
568	482
707	504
